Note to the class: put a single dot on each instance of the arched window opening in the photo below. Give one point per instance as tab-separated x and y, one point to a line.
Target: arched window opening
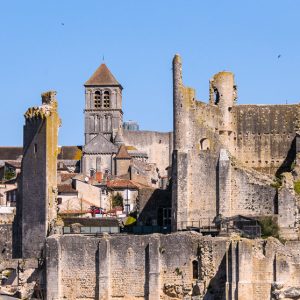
195	269
106	100
97	100
205	144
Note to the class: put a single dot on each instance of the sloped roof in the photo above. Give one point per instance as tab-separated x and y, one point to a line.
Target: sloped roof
14	163
10	153
124	184
70	152
122	153
100	144
66	189
102	76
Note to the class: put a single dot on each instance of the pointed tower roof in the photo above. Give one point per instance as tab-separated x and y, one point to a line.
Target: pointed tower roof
119	140
104	77
122	153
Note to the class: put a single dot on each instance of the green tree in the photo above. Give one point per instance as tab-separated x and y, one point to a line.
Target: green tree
117	200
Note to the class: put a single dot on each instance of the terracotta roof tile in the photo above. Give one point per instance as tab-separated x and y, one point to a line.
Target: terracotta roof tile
122	153
67	176
102	76
14	163
66	188
10	153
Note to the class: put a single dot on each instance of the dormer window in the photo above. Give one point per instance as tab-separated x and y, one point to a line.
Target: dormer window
97	100
106	100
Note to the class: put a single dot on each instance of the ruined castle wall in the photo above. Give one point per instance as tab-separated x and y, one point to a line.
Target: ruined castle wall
158	146
264	135
251	193
6	250
120	266
160	267
202	186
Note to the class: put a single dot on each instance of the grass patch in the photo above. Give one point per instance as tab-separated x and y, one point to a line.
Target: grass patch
297	187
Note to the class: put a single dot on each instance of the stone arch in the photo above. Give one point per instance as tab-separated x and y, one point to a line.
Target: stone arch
204	144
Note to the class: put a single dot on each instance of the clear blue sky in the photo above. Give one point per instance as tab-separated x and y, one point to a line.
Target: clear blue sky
138	39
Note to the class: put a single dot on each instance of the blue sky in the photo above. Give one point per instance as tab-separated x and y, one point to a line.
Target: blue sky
138	40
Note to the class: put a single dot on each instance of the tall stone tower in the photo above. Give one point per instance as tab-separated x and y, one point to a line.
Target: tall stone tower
103	105
38	207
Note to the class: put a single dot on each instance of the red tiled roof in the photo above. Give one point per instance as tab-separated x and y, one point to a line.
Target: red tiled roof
66	176
66	188
122	153
14	163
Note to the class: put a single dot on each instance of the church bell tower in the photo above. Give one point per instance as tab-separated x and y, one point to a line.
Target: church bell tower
103	105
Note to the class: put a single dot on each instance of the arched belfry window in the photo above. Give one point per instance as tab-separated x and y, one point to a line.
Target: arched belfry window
106	100
97	100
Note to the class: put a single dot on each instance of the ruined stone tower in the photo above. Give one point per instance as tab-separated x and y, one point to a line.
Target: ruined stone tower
227	157
39	174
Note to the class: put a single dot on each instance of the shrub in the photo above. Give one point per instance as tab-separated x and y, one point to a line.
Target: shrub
269	227
9	174
117	200
297	187
277	182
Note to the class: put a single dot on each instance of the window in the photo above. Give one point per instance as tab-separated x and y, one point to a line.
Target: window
204	144
106	101
195	269
97	98
35	148
92	172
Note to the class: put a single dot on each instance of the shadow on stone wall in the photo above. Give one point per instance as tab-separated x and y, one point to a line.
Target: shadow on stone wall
216	289
152	202
97	262
147	270
287	164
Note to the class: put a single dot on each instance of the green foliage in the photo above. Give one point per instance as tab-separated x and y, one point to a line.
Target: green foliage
277	182
9	174
117	200
297	187
269	227
178	272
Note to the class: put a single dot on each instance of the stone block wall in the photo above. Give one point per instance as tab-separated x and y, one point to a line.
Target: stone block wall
158	146
265	134
6	248
162	267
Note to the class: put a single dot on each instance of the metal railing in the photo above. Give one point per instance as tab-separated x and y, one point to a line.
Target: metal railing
92	230
202	225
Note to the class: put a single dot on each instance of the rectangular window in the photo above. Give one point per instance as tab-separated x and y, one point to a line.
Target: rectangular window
35	148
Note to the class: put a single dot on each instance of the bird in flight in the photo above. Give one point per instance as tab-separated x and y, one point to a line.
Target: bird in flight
63	24
279	56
